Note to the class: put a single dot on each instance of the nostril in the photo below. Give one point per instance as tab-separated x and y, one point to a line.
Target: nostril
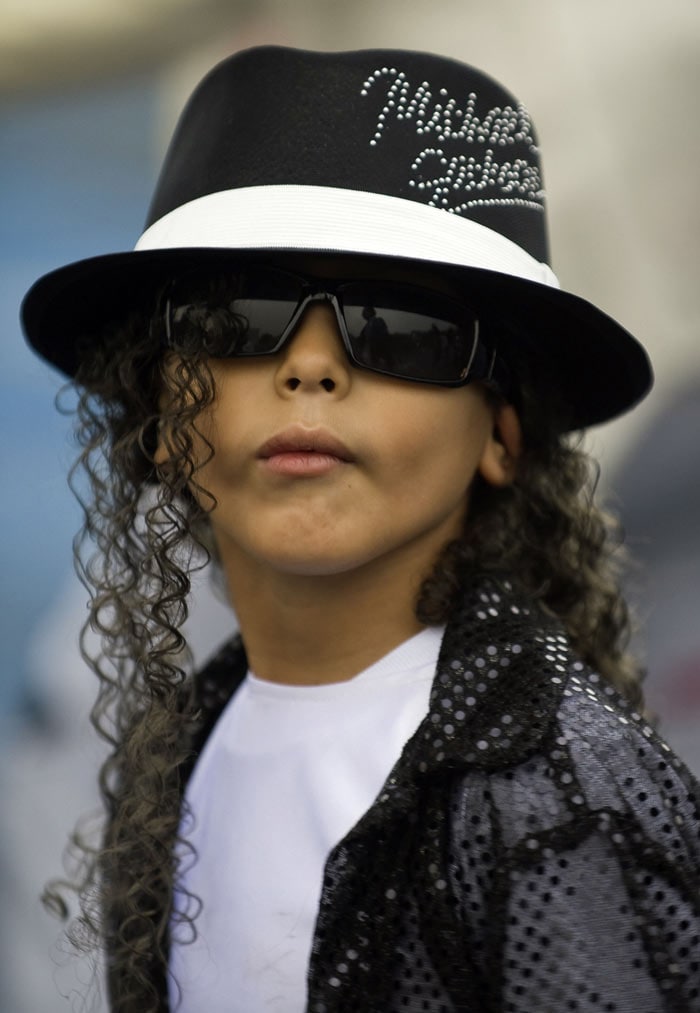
293	383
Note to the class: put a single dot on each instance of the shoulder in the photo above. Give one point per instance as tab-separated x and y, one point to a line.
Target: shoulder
587	853
619	767
601	795
541	745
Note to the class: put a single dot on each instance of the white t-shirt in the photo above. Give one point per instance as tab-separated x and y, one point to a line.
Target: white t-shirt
285	775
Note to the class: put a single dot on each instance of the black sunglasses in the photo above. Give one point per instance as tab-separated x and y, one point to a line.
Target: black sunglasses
394	328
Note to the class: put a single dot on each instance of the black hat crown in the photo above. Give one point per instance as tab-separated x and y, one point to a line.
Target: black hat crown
409	125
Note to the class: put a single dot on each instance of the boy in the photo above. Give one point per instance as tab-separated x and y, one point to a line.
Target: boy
418	779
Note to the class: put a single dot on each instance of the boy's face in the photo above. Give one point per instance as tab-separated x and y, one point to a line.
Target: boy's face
322	468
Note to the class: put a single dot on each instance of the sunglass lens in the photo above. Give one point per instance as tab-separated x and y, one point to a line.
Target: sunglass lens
263	322
400	332
242	313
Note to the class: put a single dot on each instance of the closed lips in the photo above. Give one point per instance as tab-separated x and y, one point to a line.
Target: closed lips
305	441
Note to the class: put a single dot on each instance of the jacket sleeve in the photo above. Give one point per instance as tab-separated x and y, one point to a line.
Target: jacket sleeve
577	871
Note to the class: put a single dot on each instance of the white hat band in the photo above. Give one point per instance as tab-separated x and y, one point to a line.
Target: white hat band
331	219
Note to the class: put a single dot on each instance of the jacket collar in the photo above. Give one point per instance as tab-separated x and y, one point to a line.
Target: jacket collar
500	676
498	684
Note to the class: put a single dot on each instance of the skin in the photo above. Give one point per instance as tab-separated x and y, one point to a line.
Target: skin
323	570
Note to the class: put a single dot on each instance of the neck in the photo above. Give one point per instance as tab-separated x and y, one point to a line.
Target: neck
311	630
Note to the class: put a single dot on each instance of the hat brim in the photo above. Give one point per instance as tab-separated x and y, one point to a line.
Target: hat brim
602	369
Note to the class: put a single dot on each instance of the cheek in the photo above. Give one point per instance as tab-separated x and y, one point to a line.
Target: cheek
441	432
433	455
219	426
214	451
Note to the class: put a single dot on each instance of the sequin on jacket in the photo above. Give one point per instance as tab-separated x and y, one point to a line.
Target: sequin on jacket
536	848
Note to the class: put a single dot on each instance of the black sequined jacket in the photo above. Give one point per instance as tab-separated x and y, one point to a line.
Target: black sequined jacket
536	848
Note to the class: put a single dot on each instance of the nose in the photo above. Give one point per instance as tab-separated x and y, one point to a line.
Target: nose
314	359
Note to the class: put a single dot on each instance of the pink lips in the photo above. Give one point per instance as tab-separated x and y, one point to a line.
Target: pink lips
303	453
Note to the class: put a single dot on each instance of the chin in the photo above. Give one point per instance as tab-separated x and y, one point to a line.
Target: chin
315	566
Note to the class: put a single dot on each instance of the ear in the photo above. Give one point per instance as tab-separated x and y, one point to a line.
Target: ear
499	460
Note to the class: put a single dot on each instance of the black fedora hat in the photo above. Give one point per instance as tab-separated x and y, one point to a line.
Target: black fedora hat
380	153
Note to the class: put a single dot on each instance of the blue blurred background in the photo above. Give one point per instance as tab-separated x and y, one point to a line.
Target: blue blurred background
75	175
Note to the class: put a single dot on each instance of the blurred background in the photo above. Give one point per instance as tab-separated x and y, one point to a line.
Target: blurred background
89	93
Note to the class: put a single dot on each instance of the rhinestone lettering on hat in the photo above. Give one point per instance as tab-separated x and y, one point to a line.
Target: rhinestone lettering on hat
469	158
